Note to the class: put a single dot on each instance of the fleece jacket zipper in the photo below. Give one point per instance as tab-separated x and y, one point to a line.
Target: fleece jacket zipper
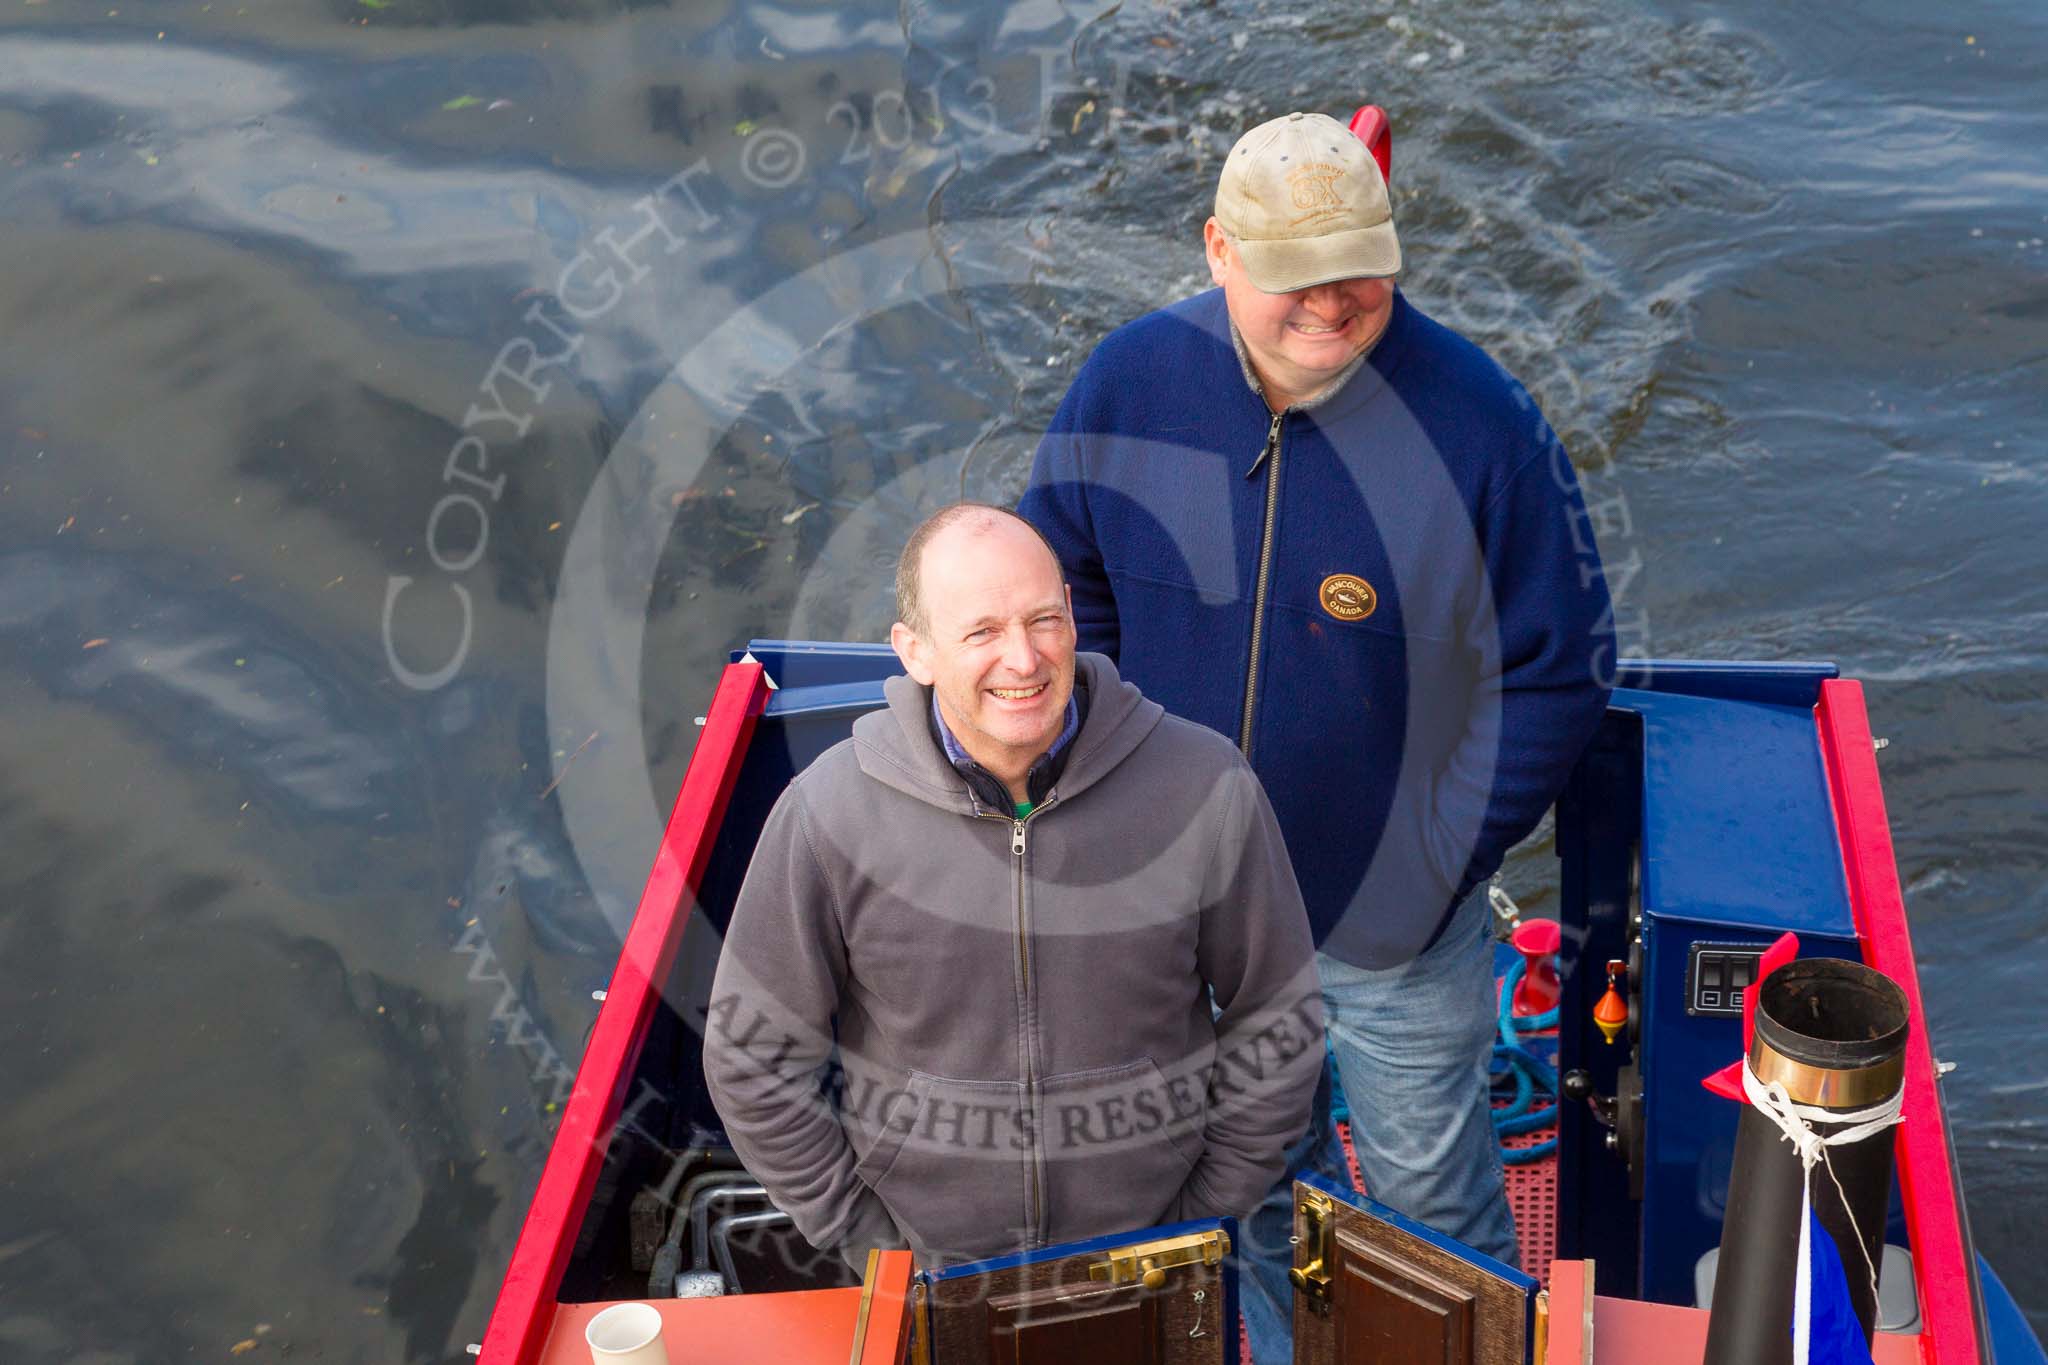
1270	458
1036	1180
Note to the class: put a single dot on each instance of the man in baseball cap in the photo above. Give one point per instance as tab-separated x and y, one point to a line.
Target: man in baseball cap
1298	510
1304	246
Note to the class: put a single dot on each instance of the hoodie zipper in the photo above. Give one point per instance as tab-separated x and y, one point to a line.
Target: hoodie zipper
1269	457
1031	1097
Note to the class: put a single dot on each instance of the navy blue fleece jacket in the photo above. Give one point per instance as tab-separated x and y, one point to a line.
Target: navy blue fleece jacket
1407	731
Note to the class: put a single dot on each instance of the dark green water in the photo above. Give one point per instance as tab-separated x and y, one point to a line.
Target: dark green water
297	940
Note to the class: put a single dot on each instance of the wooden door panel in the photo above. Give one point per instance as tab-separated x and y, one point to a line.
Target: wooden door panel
1394	1313
1109	1325
1374	1288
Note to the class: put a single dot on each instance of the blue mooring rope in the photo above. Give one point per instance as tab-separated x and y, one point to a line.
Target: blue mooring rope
1529	1074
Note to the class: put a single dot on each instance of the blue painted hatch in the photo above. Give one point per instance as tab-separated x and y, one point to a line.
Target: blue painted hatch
1737	828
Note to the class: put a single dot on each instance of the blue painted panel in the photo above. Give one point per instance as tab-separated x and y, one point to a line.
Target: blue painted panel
852	698
1781	684
1737	830
2012	1341
801	663
784	743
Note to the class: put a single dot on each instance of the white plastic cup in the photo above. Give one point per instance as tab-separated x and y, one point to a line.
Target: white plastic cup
626	1334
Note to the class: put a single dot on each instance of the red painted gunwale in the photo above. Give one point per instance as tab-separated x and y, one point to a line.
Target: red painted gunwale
526	1303
1941	1255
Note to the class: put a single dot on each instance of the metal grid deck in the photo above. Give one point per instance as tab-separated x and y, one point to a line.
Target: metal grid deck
1532	1197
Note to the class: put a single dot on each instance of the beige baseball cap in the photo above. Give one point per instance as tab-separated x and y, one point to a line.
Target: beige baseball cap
1306	204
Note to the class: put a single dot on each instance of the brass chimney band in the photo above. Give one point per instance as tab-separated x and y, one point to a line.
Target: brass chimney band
1807	1084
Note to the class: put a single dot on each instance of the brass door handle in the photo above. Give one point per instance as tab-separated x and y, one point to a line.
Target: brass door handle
1147	1262
1311	1278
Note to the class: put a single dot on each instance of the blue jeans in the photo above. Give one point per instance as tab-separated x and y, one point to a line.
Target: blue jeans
1411	1045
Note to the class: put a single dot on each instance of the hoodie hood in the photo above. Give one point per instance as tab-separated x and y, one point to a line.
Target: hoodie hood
895	745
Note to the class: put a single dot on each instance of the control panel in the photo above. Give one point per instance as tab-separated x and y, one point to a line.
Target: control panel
1716	976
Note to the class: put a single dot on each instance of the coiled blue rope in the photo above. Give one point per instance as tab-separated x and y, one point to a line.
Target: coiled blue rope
1530	1075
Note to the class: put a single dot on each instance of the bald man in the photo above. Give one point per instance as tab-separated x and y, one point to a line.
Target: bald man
1003	908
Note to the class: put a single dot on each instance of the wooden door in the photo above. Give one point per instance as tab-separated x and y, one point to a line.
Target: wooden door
1374	1288
1162	1296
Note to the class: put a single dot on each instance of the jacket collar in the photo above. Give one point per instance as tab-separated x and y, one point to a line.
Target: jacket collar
989	788
1320	396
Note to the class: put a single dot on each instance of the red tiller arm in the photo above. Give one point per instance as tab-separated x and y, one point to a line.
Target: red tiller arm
1371	126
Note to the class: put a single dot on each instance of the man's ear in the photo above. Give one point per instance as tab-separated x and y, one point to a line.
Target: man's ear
912	651
1216	249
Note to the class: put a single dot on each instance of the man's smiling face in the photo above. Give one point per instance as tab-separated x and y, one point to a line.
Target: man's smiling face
1298	341
997	646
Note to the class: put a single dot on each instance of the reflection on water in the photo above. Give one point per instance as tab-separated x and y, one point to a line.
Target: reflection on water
298	956
201	688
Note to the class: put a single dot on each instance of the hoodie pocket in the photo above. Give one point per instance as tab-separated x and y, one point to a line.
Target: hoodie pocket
952	1161
1119	1142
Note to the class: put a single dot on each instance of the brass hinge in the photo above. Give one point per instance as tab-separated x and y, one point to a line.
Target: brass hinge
1312	1280
1149	1261
920	1325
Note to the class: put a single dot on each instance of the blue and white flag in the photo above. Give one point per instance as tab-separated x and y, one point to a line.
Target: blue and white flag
1825	1328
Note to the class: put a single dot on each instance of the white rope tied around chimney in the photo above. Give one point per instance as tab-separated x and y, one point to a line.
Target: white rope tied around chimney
1794	1123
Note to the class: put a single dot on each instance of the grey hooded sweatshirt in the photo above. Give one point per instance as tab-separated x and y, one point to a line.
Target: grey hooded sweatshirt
1020	1010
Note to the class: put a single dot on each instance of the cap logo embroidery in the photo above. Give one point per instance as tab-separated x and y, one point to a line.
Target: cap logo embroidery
1314	190
1348	597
